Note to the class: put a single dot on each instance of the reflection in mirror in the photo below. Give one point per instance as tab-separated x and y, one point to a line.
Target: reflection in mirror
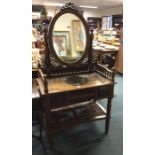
69	38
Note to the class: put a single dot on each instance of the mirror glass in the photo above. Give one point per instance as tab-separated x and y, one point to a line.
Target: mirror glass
69	38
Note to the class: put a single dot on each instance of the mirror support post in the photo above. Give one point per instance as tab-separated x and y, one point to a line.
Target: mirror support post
90	50
47	53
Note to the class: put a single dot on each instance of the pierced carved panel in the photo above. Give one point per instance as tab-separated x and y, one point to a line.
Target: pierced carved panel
54	62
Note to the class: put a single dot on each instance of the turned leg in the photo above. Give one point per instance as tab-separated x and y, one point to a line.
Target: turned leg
41	136
48	119
49	130
107	123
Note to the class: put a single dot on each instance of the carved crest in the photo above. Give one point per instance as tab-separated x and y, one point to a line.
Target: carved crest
70	5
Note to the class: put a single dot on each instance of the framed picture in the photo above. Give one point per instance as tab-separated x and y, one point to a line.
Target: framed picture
62	43
78	35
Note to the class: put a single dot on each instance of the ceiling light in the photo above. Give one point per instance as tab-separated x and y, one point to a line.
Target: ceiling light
53	4
59	4
91	7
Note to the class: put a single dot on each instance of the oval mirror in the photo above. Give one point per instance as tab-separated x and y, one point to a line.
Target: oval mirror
69	37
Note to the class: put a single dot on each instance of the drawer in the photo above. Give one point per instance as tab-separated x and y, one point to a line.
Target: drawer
104	92
57	100
63	99
82	95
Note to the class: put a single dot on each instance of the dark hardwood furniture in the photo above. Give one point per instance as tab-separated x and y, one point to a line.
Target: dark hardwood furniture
37	118
119	60
70	85
34	73
94	22
117	20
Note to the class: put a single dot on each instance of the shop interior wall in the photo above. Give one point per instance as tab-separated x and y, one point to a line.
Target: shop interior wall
90	12
112	11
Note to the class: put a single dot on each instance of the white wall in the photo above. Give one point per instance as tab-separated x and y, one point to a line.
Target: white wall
51	10
103	12
112	11
90	12
87	12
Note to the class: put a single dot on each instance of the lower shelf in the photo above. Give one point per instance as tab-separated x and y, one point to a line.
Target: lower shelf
67	119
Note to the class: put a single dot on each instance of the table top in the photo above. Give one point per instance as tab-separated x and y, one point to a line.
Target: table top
58	85
105	48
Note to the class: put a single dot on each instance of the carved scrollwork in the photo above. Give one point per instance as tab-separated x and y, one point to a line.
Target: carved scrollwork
85	61
70	5
54	62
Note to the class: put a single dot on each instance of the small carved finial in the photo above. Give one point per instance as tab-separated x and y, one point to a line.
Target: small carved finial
70	5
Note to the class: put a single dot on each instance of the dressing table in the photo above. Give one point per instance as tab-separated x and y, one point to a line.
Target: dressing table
72	83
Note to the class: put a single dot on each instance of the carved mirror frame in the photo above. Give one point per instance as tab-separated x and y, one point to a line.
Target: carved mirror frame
73	9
